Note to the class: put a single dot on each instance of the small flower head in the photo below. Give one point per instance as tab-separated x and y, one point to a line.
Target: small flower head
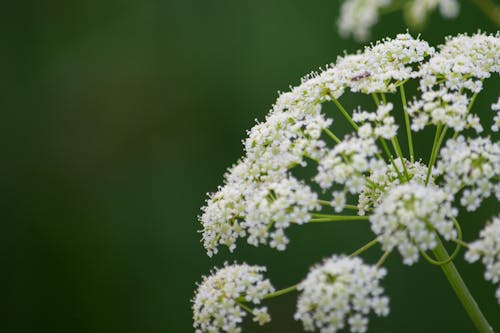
408	216
259	210
470	166
338	292
487	247
216	305
385	178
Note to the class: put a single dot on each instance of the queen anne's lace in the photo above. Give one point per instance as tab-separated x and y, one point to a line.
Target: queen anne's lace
488	247
408	217
216	305
408	204
341	291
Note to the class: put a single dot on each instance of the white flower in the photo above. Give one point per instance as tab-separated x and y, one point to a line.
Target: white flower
472	164
216	303
379	124
338	201
462	62
259	210
341	290
488	247
358	16
443	107
408	217
346	163
384	65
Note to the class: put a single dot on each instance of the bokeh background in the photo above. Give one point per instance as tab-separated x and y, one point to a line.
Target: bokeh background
118	117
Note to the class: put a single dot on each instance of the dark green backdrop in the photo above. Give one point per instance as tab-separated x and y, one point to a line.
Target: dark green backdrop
118	116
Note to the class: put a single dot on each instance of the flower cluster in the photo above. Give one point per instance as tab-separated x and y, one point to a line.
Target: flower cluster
379	124
217	303
408	217
338	290
259	210
357	17
470	166
488	247
409	204
346	163
385	178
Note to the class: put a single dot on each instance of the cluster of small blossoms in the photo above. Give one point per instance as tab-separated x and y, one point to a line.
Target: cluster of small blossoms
443	107
346	164
461	65
291	134
216	305
408	217
488	247
379	124
357	17
385	178
383	66
259	210
408	204
470	166
341	291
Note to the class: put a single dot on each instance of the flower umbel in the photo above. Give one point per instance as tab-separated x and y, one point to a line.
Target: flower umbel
218	303
410	202
341	291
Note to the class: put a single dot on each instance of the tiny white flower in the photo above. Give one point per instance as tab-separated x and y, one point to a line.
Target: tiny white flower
216	303
338	291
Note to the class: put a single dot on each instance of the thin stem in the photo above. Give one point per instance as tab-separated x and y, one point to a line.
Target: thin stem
407	122
281	292
461	242
388	153
344	112
333	136
462	291
397	148
329	204
333	218
364	248
246	308
489	9
438	139
375	99
382	259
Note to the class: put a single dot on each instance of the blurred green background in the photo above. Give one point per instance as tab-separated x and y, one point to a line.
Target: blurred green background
118	117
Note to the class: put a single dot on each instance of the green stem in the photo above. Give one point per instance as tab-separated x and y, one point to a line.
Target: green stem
438	139
344	112
407	122
462	291
364	248
388	153
281	292
333	218
333	136
329	204
382	259
397	148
